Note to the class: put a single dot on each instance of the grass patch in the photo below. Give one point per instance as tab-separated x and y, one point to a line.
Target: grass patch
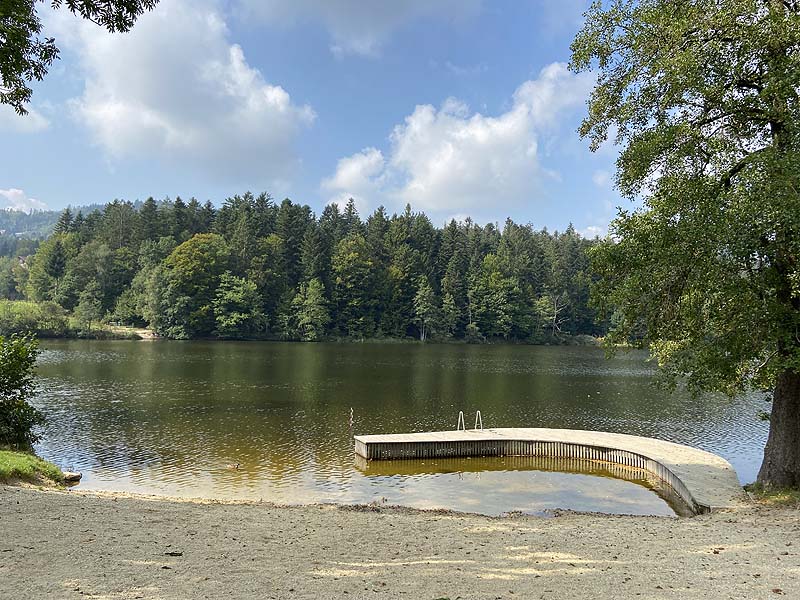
785	498
23	466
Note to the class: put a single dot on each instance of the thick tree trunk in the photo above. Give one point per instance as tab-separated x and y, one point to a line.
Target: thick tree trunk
781	466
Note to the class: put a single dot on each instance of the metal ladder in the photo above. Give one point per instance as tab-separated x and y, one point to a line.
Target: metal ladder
462	426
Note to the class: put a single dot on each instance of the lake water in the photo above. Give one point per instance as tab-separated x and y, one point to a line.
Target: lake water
175	418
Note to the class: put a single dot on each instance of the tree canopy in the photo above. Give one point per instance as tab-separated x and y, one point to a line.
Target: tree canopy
702	100
26	56
255	268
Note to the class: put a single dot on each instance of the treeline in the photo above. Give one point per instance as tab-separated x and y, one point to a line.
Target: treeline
32	224
257	269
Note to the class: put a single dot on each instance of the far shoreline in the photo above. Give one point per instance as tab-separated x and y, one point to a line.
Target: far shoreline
144	334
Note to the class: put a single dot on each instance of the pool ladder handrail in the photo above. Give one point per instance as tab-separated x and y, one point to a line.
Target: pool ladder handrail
462	426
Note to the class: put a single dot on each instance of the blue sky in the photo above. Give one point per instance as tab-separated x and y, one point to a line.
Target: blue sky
460	107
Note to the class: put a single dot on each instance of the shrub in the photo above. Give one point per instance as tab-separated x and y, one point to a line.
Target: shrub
18	419
43	318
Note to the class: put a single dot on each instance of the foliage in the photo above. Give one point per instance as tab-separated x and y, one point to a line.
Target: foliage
161	263
25	56
313	316
18	419
56	260
22	227
703	100
45	318
426	309
89	309
25	466
237	307
352	271
187	284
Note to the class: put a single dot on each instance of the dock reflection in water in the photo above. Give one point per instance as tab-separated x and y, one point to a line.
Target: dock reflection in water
532	484
168	417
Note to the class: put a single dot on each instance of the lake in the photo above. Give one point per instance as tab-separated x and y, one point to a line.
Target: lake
271	421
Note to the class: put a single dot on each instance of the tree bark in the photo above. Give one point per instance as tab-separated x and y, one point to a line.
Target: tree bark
781	466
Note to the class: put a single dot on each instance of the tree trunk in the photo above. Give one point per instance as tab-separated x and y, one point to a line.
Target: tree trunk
781	466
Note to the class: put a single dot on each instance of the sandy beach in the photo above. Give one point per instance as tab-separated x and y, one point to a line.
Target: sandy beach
88	545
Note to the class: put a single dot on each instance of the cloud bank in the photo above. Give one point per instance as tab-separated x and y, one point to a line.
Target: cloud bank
449	160
16	199
176	88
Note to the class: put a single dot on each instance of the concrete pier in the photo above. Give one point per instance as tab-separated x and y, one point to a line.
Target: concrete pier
705	481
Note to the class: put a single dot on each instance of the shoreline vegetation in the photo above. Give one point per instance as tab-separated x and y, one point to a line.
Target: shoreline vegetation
17	466
48	321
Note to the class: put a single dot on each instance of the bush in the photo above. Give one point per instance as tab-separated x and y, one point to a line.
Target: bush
18	419
43	318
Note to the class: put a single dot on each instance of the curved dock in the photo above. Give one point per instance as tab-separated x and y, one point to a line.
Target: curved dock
705	481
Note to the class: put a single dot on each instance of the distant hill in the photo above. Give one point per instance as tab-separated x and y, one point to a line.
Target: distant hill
36	224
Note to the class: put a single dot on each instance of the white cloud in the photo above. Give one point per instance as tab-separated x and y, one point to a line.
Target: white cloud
601	178
359	176
175	88
11	122
356	26
16	199
593	231
448	160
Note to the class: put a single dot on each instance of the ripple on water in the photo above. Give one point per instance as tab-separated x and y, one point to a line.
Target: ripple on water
170	418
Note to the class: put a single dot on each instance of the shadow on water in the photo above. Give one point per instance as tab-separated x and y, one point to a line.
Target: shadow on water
587	469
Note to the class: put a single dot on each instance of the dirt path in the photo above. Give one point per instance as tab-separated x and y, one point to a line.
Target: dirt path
73	545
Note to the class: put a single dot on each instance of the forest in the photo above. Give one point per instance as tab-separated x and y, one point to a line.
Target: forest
257	269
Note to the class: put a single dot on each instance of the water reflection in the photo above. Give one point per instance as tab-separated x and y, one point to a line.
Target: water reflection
167	417
585	484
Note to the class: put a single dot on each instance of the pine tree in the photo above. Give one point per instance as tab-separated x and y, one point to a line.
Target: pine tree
64	224
353	284
179	220
55	263
451	315
426	309
352	222
149	222
290	225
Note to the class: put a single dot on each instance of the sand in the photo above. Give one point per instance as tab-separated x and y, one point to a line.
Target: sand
84	545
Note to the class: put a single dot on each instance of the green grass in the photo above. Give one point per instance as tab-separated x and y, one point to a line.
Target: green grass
23	466
787	498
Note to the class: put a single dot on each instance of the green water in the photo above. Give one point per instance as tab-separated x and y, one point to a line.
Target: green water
175	417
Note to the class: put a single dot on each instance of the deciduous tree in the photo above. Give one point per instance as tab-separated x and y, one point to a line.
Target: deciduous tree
702	99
